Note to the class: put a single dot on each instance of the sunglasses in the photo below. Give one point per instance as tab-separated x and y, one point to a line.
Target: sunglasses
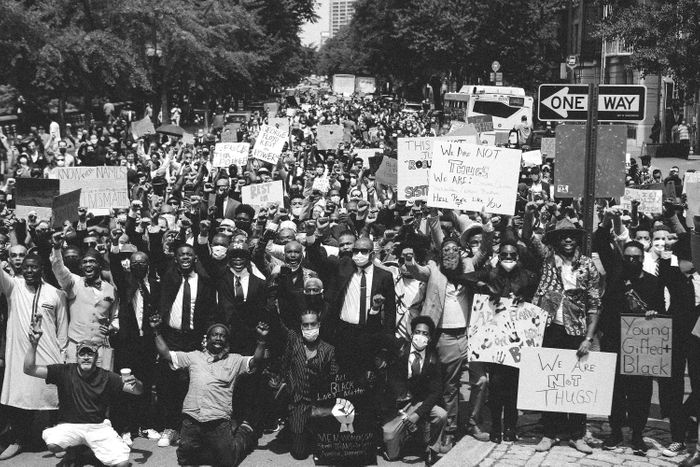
508	255
364	251
85	352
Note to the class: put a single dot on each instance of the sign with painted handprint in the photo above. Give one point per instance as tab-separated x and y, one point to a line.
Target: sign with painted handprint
499	330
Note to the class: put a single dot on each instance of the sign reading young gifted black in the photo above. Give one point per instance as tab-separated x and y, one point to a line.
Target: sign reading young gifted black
556	380
645	346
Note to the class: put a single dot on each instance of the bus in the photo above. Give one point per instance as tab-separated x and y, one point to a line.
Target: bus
505	104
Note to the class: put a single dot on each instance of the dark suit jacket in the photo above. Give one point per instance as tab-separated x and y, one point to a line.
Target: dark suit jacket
425	388
231	206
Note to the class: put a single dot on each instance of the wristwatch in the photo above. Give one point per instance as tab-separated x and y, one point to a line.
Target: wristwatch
589	339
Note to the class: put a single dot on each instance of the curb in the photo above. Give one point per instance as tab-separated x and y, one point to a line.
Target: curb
468	452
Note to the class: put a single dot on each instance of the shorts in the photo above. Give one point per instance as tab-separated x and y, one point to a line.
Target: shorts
105	443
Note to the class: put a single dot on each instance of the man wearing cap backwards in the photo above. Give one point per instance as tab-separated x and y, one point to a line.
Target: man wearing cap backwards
209	436
29	296
92	305
569	290
85	393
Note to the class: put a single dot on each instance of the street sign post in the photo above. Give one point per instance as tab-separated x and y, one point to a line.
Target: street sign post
571	102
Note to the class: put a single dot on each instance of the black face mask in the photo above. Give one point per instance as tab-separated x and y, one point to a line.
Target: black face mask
243	225
632	269
139	270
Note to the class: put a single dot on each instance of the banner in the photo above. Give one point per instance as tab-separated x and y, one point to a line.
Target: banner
226	154
498	332
101	187
143	127
65	208
482	123
472	177
35	194
556	380
532	158
386	174
329	137
261	194
269	144
548	147
645	346
650	201
281	123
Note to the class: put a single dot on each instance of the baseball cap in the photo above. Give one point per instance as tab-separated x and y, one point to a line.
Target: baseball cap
86	345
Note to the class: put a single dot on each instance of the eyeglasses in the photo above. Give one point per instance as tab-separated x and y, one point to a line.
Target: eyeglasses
364	251
85	352
508	255
449	249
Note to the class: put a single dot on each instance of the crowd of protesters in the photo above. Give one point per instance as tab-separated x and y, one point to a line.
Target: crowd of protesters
226	320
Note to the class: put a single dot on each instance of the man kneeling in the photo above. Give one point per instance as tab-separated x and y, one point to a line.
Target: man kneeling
84	395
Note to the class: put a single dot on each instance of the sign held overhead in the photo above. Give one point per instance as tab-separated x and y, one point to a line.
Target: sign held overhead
569	102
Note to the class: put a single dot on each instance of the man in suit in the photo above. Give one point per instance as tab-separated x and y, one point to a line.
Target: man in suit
187	308
139	293
416	383
222	200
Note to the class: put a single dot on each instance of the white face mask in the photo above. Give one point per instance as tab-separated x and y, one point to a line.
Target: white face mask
658	245
310	335
218	252
508	264
419	342
296	212
360	259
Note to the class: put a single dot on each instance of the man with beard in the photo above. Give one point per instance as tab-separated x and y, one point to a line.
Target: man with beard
92	303
29	296
209	435
446	301
569	291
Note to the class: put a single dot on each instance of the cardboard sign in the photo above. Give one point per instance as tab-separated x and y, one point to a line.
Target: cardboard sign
329	137
548	147
229	134
65	208
261	194
532	158
482	123
35	194
282	123
143	127
269	144
103	187
471	177
387	172
226	154
645	346
498	332
650	201
557	381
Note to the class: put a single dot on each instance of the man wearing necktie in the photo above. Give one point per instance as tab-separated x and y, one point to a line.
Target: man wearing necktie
187	308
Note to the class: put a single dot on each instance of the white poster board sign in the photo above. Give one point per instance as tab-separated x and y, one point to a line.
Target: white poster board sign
102	188
269	144
386	173
281	123
261	194
329	137
650	201
556	380
472	177
532	158
226	154
645	346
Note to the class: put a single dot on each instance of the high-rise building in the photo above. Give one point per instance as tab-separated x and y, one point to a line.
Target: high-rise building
341	14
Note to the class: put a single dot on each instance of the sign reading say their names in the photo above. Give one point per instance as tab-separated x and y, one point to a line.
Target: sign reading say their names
226	154
497	332
101	187
473	177
645	346
269	144
556	380
261	194
650	201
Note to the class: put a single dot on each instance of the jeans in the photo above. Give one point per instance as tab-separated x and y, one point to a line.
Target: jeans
218	442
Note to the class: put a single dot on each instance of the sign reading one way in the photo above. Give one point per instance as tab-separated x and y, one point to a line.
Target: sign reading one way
569	102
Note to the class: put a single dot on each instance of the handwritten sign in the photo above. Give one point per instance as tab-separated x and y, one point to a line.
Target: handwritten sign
645	346
497	333
269	144
556	380
226	154
65	208
329	137
281	123
471	177
102	187
260	194
532	158
415	156
35	194
548	147
650	201
386	173
482	123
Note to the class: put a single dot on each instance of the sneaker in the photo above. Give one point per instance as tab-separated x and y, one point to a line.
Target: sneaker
150	433
673	449
477	434
127	439
545	444
167	438
447	443
11	451
613	441
581	446
639	447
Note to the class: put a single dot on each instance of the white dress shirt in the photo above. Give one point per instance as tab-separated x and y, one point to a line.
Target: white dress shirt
137	304
244	277
175	321
412	357
350	312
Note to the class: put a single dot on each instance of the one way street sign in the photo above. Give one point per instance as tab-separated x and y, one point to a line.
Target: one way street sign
569	102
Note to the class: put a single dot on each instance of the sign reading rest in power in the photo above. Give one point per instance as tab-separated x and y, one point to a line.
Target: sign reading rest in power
569	102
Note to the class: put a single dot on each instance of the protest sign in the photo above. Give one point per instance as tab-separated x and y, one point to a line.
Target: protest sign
271	108
465	130
261	194
102	188
187	138
473	177
556	380
329	137
532	158
269	144
279	122
650	201
35	194
415	156
365	154
386	173
229	134
65	208
548	148
226	154
498	332
645	346
143	127
482	123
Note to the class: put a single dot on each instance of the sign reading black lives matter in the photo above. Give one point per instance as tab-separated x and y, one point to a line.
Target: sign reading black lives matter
645	346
